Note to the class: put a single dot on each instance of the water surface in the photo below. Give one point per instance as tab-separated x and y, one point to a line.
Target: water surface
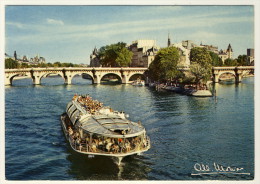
184	131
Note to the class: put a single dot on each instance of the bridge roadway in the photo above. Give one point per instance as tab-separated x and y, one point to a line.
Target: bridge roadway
98	73
68	73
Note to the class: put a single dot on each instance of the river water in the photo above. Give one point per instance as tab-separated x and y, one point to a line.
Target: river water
187	133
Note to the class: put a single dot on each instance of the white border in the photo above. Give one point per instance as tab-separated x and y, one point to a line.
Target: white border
255	3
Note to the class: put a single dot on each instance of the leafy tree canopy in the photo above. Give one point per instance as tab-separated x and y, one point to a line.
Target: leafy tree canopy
201	64
201	56
115	55
242	60
10	63
216	60
201	74
230	62
164	66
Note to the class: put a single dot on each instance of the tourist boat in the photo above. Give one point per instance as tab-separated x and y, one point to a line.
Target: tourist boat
96	130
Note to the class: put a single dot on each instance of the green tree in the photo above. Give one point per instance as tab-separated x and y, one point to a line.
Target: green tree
115	55
10	63
230	62
200	55
201	74
242	60
216	60
201	65
164	66
49	65
57	64
24	65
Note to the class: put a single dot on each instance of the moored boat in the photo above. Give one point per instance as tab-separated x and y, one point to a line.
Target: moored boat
138	83
96	130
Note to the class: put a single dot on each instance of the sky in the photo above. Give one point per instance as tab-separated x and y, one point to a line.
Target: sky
70	33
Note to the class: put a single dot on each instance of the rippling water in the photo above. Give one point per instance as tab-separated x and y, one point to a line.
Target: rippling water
183	130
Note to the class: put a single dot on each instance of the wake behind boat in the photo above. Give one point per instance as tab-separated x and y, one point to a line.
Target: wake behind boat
94	129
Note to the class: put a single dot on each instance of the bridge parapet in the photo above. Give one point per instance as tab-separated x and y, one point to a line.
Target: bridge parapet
69	72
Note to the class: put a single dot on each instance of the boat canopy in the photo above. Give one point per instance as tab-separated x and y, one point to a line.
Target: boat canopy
74	111
110	126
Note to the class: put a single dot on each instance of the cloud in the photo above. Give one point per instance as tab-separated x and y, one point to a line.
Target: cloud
15	24
55	22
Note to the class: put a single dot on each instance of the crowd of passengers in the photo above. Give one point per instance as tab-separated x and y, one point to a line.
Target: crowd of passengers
92	106
110	145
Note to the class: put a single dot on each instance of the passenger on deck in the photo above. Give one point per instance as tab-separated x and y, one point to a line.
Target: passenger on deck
93	147
127	146
115	148
70	131
108	146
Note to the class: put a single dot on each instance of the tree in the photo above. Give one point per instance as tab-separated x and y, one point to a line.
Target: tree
230	62
201	56
216	60
164	66
242	60
201	65
57	64
10	63
24	65
201	74
115	55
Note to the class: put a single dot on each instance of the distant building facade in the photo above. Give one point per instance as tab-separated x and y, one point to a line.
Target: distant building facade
226	54
210	48
37	59
144	52
184	48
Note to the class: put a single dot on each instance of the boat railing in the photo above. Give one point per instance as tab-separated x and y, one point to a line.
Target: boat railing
84	147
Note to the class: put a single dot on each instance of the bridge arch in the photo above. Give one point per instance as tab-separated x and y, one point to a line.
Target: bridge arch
118	76
134	76
12	76
37	77
86	74
227	72
45	78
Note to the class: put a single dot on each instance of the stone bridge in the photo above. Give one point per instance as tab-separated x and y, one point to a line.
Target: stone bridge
68	73
238	72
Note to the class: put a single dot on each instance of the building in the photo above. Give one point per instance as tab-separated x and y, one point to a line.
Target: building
144	52
226	54
251	56
94	60
188	44
37	59
210	48
184	54
184	48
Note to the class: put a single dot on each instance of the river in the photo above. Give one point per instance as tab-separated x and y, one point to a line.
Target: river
187	133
